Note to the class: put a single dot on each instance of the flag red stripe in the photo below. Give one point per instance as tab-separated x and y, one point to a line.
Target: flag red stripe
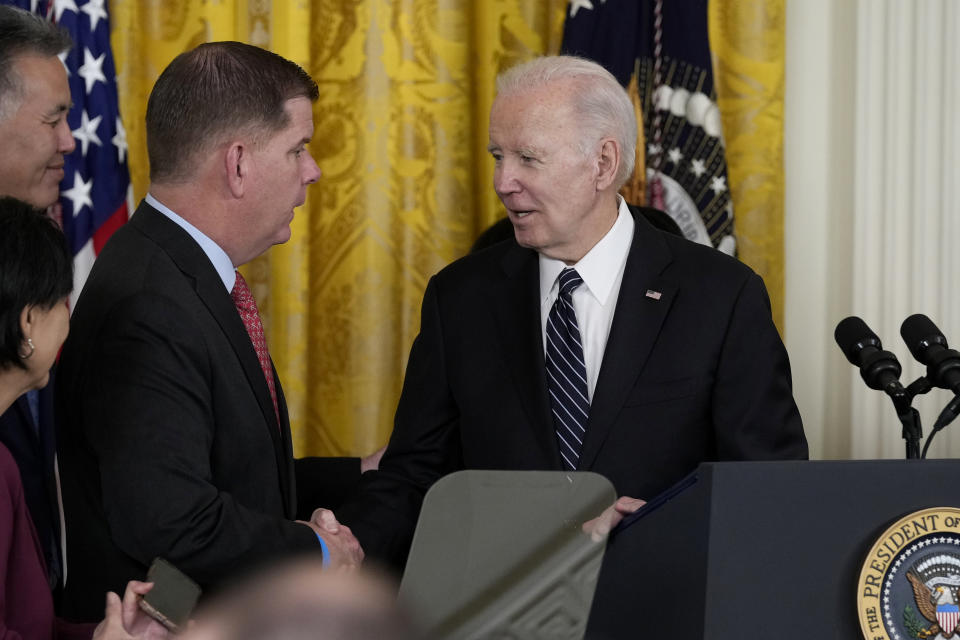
114	222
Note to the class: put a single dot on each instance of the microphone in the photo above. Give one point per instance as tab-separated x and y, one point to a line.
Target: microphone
929	346
878	368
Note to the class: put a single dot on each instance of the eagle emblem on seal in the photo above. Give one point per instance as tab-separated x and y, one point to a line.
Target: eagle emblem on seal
935	580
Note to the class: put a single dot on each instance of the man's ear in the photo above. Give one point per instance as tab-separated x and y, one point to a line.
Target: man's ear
608	163
236	167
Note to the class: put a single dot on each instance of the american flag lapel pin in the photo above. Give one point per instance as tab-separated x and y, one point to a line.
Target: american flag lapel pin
655	295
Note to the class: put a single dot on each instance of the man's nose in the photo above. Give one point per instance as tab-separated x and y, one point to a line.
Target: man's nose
65	142
504	178
312	173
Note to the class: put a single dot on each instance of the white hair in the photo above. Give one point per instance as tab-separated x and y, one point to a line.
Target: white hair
601	104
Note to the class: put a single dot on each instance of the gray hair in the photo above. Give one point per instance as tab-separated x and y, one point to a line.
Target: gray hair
23	33
602	105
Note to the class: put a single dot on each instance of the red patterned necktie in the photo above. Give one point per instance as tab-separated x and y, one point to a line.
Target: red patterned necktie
247	307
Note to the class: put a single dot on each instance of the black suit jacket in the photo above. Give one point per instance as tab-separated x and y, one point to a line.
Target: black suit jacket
169	445
693	370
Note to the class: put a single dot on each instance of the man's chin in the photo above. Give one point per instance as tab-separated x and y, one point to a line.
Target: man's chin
43	197
283	235
525	240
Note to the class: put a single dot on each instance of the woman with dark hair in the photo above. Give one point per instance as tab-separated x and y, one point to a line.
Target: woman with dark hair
36	276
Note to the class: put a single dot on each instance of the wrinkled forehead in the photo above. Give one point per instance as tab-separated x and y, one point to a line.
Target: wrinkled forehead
533	121
551	96
40	74
40	79
547	110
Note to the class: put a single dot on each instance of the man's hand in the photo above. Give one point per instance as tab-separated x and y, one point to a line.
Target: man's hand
599	528
125	620
325	519
345	550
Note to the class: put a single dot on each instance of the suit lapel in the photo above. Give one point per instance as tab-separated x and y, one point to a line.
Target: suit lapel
517	312
636	324
193	262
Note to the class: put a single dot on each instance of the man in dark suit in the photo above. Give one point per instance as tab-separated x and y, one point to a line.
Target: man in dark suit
593	342
174	435
34	100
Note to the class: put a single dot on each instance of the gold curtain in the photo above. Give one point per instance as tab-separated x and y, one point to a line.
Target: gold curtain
747	41
401	133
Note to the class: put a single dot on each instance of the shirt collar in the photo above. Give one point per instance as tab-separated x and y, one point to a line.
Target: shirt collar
601	266
217	256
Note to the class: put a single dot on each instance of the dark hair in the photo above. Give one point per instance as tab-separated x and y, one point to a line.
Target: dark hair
213	90
35	269
24	33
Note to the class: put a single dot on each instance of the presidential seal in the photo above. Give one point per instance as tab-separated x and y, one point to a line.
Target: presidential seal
908	586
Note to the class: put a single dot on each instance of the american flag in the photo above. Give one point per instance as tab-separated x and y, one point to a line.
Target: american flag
95	193
685	157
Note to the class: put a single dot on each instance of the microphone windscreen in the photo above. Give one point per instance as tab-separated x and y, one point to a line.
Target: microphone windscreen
918	331
852	334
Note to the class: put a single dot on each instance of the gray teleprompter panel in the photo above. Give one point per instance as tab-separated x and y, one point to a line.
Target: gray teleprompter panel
501	554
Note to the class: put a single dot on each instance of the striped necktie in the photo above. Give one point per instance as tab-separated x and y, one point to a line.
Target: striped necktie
566	371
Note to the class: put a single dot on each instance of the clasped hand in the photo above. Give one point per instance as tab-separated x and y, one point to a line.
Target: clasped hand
345	550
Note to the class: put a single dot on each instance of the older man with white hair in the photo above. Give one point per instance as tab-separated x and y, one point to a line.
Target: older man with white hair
591	341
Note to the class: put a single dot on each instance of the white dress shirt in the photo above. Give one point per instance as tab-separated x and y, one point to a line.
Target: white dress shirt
595	300
221	261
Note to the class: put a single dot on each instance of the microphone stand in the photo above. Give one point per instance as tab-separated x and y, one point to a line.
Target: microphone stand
910	417
946	417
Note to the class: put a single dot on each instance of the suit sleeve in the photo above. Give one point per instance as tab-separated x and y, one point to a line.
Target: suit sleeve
755	415
324	482
424	441
152	423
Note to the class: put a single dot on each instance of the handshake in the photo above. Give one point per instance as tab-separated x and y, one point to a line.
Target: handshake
345	551
347	555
